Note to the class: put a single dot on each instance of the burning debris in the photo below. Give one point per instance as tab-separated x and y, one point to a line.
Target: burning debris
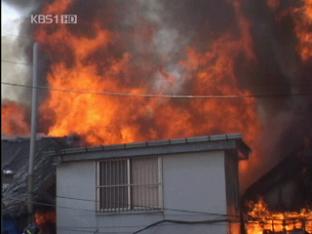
303	30
285	204
261	220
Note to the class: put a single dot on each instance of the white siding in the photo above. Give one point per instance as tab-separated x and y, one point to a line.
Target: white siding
193	182
75	180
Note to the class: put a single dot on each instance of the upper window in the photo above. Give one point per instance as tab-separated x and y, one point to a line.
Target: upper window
129	184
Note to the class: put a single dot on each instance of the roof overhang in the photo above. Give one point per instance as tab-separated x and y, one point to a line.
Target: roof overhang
225	142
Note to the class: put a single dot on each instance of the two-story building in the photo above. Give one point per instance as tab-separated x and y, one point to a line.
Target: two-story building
185	185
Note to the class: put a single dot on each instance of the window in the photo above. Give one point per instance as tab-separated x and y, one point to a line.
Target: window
129	184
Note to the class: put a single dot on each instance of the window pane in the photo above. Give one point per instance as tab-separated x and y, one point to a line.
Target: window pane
144	180
113	184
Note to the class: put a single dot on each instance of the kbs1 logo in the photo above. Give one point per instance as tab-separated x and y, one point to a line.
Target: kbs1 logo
53	19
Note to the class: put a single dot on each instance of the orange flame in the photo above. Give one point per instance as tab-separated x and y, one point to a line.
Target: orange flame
273	4
105	119
14	119
261	219
302	17
44	217
303	30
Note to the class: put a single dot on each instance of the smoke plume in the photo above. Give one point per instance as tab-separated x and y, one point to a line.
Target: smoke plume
253	49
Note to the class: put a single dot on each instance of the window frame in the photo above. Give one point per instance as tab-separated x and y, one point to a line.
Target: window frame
129	209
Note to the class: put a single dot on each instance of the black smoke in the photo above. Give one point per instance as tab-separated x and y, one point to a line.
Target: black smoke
278	77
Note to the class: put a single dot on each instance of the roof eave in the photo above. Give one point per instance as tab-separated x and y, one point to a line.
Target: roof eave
167	147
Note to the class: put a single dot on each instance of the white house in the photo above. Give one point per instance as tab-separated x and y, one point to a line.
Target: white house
175	186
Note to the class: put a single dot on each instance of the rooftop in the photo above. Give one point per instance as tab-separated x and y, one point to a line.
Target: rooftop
160	147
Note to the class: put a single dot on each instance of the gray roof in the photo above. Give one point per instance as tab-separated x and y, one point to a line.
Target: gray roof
162	147
297	166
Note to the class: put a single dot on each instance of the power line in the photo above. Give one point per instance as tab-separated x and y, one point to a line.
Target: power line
181	222
146	207
165	96
105	226
49	204
94	231
269	84
169	209
78	230
173	221
210	221
142	227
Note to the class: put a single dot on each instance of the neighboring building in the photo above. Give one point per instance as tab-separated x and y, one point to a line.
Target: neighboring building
288	185
283	196
175	186
14	158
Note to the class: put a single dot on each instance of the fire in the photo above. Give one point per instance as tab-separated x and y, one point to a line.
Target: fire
273	4
261	219
44	217
116	119
302	17
303	30
14	119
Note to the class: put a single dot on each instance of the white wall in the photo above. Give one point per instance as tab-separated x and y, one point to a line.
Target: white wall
78	180
75	180
194	182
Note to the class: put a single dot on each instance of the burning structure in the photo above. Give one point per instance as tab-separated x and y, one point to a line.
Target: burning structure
142	70
274	199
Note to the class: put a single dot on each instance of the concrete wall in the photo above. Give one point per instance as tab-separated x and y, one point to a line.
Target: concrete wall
191	182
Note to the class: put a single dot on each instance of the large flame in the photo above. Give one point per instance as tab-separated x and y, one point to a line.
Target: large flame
101	69
304	32
302	17
261	219
14	119
109	119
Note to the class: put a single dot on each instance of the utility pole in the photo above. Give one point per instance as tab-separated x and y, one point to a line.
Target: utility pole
33	133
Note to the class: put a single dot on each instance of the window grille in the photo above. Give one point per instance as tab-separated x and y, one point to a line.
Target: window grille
129	184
